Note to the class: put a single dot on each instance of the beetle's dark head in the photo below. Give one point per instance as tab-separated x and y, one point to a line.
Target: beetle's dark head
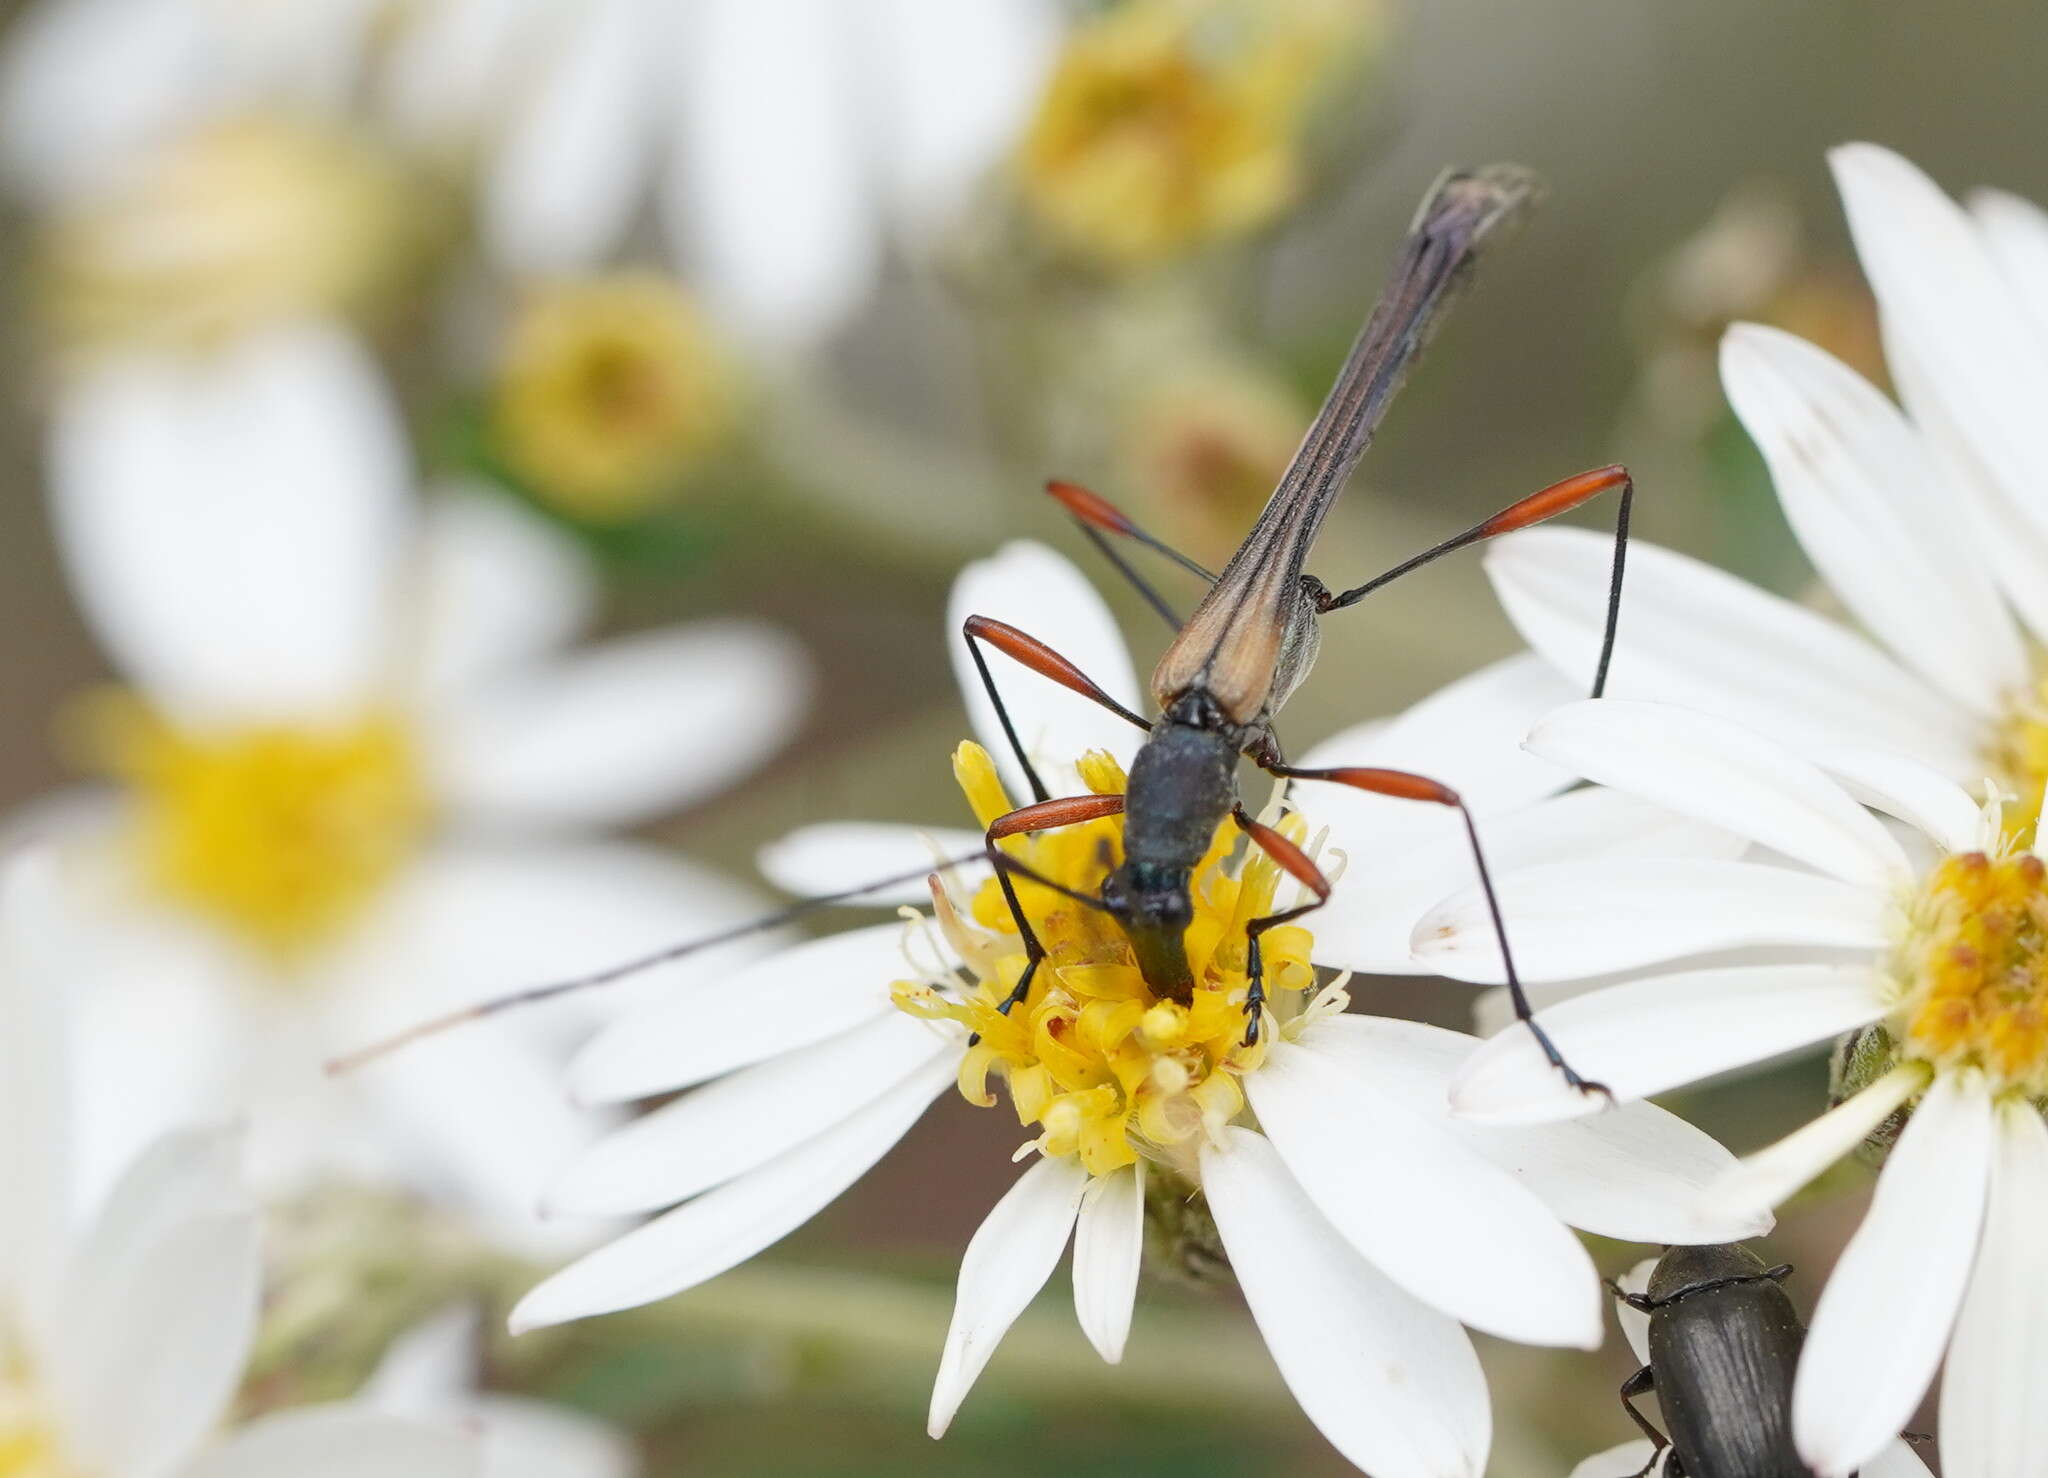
1154	908
1682	1269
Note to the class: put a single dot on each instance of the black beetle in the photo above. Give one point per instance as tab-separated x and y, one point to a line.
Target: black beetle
1723	1345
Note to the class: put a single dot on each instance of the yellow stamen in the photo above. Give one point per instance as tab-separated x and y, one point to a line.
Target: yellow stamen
1101	1067
280	834
1972	970
611	391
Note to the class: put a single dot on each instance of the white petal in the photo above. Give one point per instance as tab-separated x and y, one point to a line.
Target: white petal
1993	1422
36	1172
1885	1315
1391	1383
743	1120
342	1440
624	731
468	923
2016	231
1695	635
1905	788
453	64
832	857
428	1365
1635	1324
185	1174
233	530
1865	499
1718	770
1013	1252
579	154
87	84
477	1114
1030	587
960	84
1659	1033
1898	1460
1467	735
1629	1460
703	1238
1392	879
1454	1230
498	589
135	1405
768	200
1572	919
1109	1248
523	1438
810	992
1941	293
430	1374
2014	543
1772	1174
1633	1172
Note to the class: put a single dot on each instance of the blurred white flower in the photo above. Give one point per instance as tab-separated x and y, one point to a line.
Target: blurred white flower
1632	1459
431	1374
358	775
88	86
125	1331
1930	525
782	140
1947	955
1363	1224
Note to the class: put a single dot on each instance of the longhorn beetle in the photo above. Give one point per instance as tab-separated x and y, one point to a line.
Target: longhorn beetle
1233	663
1254	636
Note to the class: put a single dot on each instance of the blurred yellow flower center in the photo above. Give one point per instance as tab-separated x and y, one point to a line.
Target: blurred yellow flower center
227	228
28	1448
1091	1058
1972	970
279	834
610	390
1168	123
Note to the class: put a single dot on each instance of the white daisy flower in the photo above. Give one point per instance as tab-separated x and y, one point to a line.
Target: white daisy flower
1363	1224
125	1331
356	769
1940	946
780	139
1930	525
1632	1459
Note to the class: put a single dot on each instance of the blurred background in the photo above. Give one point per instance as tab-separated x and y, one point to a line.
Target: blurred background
809	330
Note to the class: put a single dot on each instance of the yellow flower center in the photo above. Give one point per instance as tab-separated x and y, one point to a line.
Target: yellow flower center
1168	123
1102	1067
611	389
235	225
280	834
1972	970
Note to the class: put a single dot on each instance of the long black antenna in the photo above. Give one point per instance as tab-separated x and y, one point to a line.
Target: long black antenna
533	995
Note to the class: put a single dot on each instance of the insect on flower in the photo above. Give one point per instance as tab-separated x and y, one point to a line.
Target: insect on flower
1252	639
1719	1340
1234	662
